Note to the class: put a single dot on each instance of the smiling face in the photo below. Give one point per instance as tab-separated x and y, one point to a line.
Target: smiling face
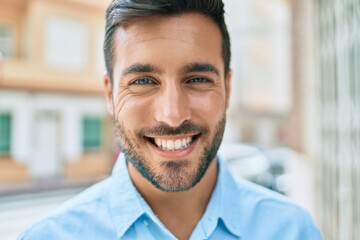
169	97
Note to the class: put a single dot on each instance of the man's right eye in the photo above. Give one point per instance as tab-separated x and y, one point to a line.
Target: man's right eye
142	81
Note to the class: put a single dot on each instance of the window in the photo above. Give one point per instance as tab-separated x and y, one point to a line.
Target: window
5	133
92	133
6	40
65	44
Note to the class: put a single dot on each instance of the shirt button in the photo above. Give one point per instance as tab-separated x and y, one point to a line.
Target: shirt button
146	223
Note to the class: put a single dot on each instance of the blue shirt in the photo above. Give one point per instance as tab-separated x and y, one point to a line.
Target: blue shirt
114	209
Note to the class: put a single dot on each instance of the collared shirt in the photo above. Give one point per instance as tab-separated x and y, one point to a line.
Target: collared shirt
114	209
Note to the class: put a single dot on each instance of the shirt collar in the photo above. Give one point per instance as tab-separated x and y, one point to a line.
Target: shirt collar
223	205
229	205
124	201
126	205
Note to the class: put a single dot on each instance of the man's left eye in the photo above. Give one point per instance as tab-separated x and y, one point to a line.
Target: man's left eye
199	80
143	81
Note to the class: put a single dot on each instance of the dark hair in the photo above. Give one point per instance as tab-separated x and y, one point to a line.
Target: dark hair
121	12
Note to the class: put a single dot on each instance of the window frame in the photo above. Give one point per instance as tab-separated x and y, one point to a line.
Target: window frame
6	151
92	140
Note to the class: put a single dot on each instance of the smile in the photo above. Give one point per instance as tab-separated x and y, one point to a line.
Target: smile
173	144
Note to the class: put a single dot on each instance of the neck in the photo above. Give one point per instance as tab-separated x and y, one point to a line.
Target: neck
178	211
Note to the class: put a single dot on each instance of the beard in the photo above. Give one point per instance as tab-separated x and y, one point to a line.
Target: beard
175	175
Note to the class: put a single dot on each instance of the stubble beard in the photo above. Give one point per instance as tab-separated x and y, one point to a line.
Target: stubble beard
176	175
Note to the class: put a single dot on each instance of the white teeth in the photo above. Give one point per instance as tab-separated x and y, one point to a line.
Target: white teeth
171	145
177	144
158	141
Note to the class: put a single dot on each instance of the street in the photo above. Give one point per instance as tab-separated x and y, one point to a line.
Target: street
18	211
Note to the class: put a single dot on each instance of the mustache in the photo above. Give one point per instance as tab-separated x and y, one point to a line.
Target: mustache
186	127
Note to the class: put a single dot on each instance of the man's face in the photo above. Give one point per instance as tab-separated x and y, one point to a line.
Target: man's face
169	97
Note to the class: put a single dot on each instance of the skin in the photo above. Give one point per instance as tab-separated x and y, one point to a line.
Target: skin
170	94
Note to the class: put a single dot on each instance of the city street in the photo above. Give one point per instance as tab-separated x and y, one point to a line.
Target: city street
18	211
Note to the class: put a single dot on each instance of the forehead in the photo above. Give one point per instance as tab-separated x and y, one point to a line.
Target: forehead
180	38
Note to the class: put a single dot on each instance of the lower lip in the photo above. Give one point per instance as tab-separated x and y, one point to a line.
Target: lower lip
175	153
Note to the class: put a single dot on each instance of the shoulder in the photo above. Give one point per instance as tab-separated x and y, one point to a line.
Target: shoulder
75	217
258	195
274	213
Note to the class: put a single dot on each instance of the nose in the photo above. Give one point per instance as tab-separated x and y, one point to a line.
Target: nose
172	106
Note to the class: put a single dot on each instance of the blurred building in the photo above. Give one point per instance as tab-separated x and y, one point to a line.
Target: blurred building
327	80
261	97
53	117
267	98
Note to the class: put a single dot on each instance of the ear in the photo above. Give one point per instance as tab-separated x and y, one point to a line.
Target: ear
108	93
228	87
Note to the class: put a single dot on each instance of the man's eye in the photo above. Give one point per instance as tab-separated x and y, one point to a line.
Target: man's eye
199	80
143	81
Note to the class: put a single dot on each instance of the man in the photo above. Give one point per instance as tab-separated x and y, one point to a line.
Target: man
167	88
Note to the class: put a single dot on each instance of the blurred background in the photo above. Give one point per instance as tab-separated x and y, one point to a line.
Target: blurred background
293	125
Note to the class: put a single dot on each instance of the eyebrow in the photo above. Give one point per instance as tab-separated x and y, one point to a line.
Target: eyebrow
141	68
149	68
201	67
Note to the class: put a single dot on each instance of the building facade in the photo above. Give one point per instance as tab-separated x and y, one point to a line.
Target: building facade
338	56
327	76
261	97
53	118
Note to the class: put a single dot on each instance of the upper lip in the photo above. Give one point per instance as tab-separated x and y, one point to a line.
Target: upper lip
172	137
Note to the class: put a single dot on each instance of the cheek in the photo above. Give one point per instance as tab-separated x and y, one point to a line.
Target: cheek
209	107
132	111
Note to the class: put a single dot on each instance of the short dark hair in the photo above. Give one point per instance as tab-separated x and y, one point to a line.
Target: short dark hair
121	12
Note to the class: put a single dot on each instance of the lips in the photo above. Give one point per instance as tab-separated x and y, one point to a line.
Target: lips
172	144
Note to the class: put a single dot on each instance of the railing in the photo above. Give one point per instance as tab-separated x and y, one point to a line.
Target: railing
338	41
